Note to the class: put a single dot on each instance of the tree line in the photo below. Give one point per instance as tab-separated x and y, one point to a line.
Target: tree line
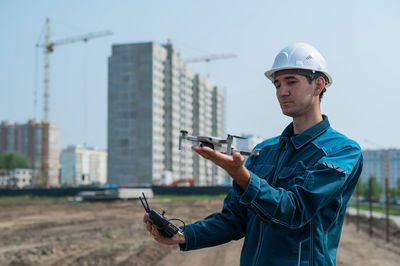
377	189
11	161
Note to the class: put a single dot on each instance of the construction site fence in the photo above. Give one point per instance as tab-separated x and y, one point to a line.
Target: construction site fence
74	191
375	226
214	190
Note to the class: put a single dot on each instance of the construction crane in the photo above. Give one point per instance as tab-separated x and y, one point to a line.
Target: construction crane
209	58
48	46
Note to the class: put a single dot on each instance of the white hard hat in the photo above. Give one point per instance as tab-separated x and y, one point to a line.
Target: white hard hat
300	56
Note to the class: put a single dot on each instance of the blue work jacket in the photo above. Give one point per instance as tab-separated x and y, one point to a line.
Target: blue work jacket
292	211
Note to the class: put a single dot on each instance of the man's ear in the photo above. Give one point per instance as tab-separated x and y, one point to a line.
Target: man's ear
319	85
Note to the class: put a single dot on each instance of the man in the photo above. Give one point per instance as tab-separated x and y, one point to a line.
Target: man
290	201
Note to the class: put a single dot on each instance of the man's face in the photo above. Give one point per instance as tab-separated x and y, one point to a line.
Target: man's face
295	94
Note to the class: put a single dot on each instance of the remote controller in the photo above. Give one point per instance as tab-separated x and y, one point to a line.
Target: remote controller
164	226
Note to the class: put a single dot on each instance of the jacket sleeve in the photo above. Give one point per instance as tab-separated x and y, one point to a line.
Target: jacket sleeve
296	204
218	228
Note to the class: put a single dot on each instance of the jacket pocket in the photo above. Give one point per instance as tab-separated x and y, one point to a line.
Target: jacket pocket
263	170
290	176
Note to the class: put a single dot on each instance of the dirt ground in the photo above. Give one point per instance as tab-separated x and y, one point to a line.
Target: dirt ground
112	233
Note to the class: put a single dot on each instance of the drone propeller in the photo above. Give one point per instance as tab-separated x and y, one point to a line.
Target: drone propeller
234	136
238	137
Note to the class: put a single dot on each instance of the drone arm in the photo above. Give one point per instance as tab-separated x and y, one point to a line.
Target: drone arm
182	136
229	144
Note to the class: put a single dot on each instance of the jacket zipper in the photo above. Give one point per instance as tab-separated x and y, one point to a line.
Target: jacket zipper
260	240
258	251
280	163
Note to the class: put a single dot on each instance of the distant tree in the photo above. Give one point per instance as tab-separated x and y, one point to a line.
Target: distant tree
96	183
11	161
3	161
393	192
359	187
376	188
398	187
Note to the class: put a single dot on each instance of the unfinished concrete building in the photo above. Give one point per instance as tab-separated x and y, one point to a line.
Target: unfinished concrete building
38	142
152	95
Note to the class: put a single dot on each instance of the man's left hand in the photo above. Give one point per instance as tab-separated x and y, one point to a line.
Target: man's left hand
233	164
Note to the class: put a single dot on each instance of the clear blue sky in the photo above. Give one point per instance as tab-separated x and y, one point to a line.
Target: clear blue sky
359	39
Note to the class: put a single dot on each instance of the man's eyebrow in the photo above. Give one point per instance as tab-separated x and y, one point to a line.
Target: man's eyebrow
290	77
286	78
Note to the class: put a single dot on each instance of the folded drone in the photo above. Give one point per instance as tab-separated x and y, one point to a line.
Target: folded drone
217	144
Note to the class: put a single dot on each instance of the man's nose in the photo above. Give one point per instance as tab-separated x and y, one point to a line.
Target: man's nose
283	91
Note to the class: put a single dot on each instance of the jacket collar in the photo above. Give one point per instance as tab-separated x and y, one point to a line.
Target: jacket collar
306	136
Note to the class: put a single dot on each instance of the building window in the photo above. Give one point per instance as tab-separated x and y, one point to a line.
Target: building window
124	142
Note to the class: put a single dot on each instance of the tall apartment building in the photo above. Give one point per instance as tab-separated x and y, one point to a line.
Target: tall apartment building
83	166
152	95
383	163
36	141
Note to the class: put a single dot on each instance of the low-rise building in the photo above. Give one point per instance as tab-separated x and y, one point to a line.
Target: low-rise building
17	178
248	143
382	163
83	166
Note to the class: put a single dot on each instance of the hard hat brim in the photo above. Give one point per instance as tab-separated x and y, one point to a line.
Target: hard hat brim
270	74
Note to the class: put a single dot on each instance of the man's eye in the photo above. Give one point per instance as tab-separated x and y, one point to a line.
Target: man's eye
291	82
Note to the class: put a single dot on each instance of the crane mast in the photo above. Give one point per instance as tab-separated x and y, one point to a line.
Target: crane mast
46	73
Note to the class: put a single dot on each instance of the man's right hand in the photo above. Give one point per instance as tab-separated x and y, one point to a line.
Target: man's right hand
159	237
